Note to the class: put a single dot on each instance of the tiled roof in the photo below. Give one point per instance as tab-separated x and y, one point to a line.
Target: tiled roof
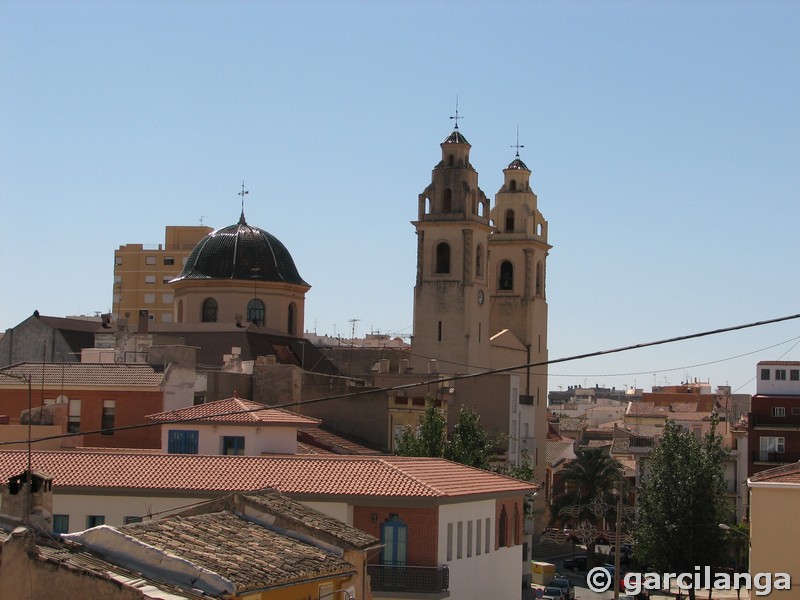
325	441
305	517
645	409
245	554
556	448
787	363
76	558
783	474
609	426
690	415
236	411
597	443
621	445
214	340
104	375
303	448
572	423
324	475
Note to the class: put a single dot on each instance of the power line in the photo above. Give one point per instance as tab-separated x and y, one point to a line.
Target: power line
437	381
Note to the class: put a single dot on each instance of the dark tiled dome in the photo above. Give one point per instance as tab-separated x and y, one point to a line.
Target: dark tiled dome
518	165
455	138
243	252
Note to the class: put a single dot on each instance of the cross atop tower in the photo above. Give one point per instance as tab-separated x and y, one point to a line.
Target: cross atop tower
243	193
456	117
517	145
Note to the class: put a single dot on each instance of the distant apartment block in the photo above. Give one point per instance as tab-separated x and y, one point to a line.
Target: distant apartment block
142	273
774	420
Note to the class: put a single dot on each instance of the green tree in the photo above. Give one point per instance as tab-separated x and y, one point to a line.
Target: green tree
524	471
429	439
682	502
470	444
591	477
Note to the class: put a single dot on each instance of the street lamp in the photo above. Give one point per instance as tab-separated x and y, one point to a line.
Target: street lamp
727	528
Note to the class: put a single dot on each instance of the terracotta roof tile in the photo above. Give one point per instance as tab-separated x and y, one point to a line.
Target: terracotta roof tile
783	474
305	517
105	375
325	475
327	441
787	363
237	411
247	554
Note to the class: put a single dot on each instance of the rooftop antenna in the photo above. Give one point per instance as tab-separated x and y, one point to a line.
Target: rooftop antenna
243	193
353	327
517	145
456	117
201	219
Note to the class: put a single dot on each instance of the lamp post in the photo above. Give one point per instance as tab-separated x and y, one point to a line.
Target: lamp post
727	528
618	534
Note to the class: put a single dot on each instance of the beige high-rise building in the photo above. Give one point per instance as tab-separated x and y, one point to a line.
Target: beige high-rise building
142	273
479	298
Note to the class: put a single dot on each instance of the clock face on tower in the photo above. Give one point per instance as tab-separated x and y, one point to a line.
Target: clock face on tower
480	296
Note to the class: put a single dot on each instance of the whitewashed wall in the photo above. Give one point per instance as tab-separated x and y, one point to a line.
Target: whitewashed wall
480	576
257	440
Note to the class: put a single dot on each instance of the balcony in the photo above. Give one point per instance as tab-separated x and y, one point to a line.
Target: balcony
419	580
766	456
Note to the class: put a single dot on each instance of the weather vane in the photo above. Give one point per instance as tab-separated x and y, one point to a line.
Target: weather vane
517	145
456	117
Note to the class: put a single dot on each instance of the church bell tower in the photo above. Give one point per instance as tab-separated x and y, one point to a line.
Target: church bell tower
451	295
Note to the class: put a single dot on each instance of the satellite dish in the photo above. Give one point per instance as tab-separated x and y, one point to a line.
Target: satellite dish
62	399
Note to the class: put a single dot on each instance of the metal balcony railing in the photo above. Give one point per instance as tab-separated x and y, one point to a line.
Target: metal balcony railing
398	578
775	457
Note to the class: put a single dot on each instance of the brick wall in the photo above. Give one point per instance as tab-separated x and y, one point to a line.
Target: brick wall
423	530
514	526
131	408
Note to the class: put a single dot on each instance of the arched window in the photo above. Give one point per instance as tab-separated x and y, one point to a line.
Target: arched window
512	185
509	221
209	311
394	536
515	525
480	209
180	311
506	275
291	319
479	261
443	257
502	529
427	206
451	160
539	279
447	201
255	311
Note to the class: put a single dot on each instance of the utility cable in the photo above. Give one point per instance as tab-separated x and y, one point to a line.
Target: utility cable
436	381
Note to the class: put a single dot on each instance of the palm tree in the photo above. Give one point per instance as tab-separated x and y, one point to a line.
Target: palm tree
590	480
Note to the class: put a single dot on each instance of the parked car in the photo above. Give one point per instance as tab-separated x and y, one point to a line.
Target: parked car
556	592
575	564
562	582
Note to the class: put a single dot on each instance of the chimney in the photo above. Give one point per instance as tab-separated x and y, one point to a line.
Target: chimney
32	505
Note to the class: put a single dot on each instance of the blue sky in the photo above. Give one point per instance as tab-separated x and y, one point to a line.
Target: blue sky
662	136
